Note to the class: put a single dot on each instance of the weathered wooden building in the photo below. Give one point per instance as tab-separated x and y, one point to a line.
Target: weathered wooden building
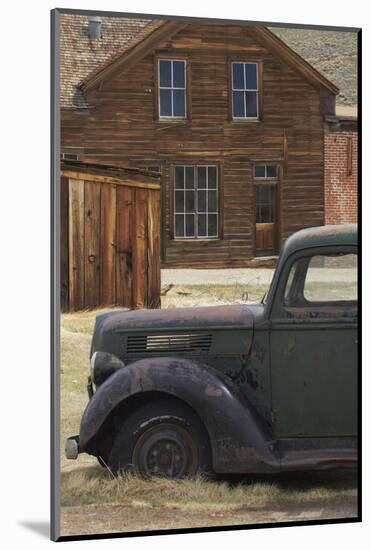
110	236
231	116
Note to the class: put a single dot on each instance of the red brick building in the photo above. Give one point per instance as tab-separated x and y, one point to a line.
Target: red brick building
341	167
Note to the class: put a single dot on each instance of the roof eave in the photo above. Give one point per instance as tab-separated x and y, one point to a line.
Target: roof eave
165	30
298	63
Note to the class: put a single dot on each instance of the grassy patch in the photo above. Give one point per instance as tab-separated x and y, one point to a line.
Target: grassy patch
192	295
95	484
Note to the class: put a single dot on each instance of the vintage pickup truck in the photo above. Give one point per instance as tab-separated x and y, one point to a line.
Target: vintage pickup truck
256	388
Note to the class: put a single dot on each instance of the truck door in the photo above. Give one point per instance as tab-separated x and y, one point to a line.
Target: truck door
314	345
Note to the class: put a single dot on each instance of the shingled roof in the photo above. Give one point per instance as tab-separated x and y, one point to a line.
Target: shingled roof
81	55
82	58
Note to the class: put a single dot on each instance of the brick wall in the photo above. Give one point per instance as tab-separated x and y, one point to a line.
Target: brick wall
341	176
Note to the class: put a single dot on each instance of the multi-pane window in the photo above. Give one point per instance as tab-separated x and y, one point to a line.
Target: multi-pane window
245	90
172	88
265	199
196	201
265	171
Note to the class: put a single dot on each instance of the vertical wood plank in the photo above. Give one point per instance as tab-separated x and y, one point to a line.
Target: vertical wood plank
108	245
153	245
64	245
140	249
76	244
124	237
92	244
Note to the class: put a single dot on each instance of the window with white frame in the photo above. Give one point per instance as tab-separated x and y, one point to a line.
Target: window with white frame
196	202
245	90
172	88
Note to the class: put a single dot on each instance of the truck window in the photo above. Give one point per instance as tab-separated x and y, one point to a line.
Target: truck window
322	279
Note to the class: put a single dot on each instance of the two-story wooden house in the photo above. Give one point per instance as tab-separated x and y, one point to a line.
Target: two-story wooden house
231	116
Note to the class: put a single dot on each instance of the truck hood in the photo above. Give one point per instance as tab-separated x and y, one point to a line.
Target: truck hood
213	317
113	331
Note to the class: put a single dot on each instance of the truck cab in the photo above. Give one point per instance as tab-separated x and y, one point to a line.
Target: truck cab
248	388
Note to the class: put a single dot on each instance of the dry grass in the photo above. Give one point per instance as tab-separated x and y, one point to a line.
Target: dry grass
89	485
192	295
89	494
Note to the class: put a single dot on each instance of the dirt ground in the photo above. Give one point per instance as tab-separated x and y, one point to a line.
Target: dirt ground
111	518
93	502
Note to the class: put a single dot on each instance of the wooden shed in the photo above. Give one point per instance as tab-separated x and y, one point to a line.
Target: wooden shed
110	236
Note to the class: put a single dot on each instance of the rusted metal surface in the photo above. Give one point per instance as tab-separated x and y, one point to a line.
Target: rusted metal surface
238	437
275	386
324	235
226	316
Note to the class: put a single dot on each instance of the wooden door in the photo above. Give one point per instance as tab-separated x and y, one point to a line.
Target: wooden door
265	220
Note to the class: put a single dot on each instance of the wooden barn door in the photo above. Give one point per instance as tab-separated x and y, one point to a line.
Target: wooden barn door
110	246
265	219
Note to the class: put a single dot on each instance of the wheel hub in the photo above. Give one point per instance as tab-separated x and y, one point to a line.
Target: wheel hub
165	450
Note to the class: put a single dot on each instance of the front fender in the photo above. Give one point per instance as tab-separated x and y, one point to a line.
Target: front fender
239	441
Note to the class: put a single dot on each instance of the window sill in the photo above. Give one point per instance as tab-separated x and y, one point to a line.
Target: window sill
245	120
173	119
196	240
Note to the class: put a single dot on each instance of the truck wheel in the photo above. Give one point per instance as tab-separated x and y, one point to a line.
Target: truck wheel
163	438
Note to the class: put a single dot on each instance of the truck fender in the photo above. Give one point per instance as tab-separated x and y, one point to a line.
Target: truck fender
239	441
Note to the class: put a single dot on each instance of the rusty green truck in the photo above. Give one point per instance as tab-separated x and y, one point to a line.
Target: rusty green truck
255	388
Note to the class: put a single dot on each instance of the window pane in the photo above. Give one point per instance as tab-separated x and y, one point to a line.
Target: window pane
178	74
202	225
179	225
190	225
165	74
251	76
165	103
202	177
271	171
212	225
238	104
251	104
190	201
179	102
179	177
331	278
238	77
212	202
265	214
265	204
259	171
212	177
202	201
190	177
179	201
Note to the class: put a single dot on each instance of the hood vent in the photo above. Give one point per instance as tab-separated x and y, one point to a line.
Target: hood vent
169	343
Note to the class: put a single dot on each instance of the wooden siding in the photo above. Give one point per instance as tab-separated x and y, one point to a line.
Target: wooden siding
121	127
110	243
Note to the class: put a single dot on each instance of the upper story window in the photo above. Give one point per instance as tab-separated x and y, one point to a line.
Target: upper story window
172	88
265	171
245	90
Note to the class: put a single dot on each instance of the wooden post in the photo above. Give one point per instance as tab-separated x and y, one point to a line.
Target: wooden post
108	245
92	244
76	244
64	245
140	264
124	250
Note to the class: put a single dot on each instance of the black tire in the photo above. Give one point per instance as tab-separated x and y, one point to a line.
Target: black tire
163	438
